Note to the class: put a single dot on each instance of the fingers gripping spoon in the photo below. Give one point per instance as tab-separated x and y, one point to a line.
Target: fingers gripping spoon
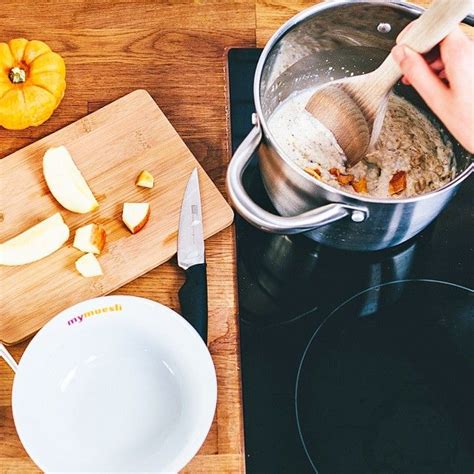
353	108
191	258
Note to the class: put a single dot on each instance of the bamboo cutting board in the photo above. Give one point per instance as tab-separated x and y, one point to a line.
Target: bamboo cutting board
110	147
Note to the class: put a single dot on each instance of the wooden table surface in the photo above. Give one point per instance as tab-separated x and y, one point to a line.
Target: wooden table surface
175	50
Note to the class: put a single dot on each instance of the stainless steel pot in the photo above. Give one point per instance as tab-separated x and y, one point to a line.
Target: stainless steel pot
324	42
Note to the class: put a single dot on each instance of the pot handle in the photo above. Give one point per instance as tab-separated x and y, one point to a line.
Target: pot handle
8	358
267	221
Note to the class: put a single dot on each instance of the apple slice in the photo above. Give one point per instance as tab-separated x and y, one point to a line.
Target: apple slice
88	266
135	215
66	182
145	179
90	238
35	243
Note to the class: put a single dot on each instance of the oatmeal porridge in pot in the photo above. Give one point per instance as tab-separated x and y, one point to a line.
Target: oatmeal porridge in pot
409	159
395	192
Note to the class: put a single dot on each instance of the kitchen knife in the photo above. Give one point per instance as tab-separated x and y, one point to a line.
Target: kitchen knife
193	294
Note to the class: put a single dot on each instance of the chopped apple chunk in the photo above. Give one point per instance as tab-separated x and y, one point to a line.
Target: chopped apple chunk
342	179
90	238
145	179
398	183
135	215
88	266
360	186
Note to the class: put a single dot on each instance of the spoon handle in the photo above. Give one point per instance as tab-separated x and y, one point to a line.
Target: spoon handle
8	358
436	23
426	32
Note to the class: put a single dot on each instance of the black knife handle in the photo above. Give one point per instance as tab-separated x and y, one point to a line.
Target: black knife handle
193	299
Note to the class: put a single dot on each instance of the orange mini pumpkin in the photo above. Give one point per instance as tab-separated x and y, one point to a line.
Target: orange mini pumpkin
32	83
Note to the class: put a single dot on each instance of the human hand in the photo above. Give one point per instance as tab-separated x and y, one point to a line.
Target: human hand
444	78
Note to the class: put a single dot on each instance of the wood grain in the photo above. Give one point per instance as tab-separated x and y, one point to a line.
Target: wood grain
271	14
176	51
110	147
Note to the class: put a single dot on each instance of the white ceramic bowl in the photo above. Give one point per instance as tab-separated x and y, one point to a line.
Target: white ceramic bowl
113	384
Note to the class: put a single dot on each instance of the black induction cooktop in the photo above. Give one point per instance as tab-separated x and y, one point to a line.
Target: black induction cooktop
354	362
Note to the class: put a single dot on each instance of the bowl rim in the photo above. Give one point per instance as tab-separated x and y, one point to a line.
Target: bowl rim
188	450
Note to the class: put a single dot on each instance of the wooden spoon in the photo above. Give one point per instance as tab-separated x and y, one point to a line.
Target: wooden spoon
353	108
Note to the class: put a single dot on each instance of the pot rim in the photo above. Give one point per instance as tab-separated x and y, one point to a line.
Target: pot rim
288	25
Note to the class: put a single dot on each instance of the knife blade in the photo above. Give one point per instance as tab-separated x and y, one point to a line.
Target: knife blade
191	258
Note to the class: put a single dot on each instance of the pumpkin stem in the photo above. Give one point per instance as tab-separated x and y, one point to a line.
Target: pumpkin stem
17	75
